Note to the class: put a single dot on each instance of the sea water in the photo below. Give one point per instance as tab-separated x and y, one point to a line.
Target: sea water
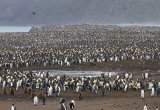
15	29
77	73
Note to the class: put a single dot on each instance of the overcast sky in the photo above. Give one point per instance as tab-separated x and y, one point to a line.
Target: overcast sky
47	12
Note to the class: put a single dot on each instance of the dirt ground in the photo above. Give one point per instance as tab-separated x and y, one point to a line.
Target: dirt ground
114	100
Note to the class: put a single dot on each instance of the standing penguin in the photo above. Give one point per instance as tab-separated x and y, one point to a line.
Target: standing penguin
145	107
44	99
125	87
152	91
62	105
35	100
72	104
157	108
13	107
50	91
142	94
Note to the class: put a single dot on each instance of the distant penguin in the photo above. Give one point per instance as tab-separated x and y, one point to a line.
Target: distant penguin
50	89
35	100
142	94
152	91
72	104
